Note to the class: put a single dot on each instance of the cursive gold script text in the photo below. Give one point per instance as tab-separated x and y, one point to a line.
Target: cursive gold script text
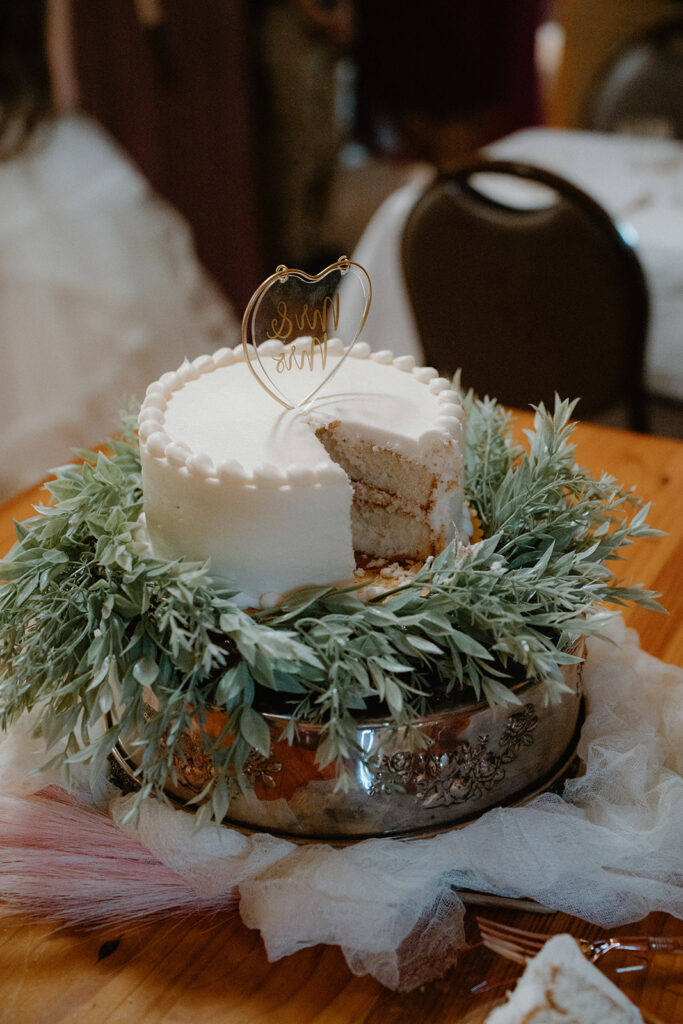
312	321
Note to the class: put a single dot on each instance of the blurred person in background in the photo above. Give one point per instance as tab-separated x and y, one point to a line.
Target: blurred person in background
100	287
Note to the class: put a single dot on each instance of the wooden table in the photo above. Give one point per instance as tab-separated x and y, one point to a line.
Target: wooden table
189	970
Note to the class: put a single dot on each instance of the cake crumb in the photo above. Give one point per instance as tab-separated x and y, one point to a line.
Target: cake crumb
367	593
390	576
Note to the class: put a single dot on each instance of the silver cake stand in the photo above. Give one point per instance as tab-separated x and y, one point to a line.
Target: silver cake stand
471	757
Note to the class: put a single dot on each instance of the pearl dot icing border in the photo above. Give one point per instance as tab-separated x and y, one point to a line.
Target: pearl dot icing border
449	421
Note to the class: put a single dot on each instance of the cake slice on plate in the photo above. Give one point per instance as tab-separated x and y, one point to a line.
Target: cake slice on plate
559	986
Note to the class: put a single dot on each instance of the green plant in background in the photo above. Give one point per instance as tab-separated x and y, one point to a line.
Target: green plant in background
91	622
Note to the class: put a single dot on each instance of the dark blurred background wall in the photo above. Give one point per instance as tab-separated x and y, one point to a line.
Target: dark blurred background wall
277	126
172	83
238	111
446	77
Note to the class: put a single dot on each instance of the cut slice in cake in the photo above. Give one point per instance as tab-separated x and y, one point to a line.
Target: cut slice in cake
281	498
559	986
401	505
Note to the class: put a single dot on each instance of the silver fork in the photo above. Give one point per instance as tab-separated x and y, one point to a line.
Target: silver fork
519	945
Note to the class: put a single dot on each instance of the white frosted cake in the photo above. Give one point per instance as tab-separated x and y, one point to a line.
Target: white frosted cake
559	986
279	498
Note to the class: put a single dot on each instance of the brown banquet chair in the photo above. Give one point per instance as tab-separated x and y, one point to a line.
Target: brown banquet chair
528	298
639	89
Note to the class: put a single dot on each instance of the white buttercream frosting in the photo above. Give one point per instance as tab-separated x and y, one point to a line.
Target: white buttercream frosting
231	475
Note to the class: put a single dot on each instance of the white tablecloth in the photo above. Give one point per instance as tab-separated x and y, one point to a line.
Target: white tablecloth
638	181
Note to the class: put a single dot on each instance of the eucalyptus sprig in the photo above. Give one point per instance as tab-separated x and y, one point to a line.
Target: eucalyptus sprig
92	624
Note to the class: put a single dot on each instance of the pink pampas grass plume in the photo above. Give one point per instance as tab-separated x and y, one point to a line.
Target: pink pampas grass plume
61	859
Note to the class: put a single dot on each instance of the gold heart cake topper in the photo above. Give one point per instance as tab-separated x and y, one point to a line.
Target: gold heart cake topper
298	328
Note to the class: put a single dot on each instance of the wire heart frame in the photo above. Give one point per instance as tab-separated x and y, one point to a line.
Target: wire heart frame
316	318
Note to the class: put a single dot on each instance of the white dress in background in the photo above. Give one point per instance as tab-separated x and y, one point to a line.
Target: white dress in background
100	292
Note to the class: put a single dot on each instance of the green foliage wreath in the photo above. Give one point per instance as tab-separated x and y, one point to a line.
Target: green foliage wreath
89	619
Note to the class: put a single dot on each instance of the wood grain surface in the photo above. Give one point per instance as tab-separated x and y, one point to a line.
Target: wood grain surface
196	971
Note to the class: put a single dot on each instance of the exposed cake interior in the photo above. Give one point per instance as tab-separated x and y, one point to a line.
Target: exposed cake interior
394	497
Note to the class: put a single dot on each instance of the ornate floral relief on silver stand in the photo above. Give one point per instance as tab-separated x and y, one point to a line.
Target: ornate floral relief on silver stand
262	770
474	757
464	773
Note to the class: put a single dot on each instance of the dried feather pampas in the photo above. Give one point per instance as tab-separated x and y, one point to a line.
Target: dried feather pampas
62	859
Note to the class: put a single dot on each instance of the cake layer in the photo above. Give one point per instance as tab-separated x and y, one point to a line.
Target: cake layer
390	533
382	468
232	476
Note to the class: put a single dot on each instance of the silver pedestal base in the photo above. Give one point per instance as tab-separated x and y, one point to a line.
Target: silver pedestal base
474	757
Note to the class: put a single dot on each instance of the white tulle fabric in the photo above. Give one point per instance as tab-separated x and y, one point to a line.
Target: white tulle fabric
609	851
100	292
